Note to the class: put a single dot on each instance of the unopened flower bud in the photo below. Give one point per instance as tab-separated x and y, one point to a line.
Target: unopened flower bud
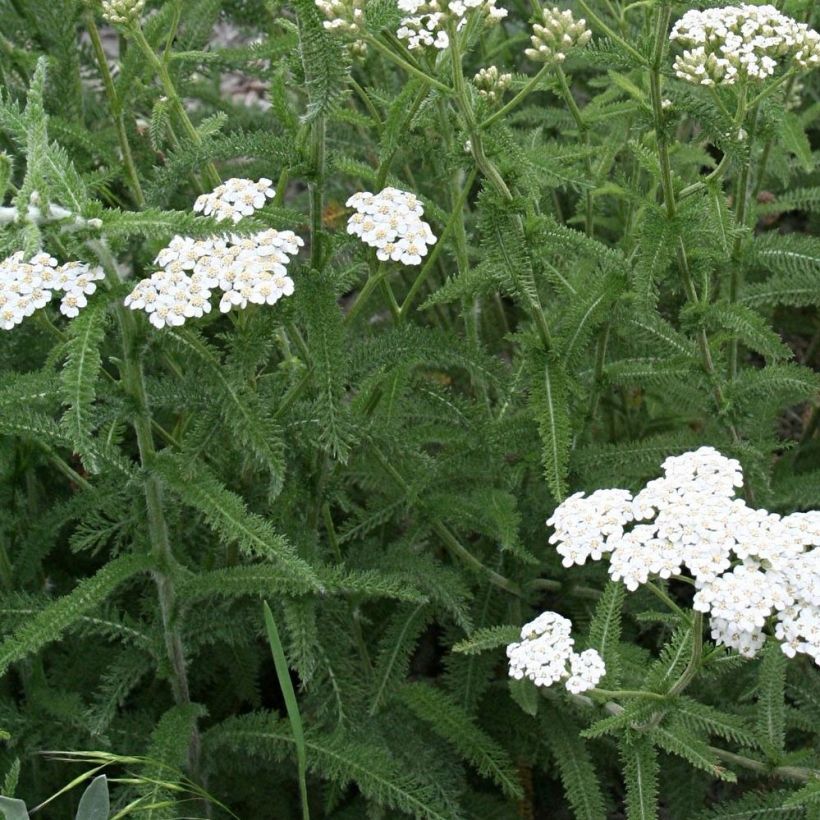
556	35
490	84
122	12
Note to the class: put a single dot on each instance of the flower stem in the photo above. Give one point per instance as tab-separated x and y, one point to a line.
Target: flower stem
161	69
134	383
408	67
116	111
517	99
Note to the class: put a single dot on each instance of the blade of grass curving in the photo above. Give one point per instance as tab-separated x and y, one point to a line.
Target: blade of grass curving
290	703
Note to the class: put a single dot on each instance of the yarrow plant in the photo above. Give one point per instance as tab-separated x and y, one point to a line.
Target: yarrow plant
312	312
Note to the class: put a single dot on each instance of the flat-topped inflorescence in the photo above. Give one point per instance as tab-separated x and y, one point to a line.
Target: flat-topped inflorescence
391	222
545	649
235	199
425	22
733	44
749	566
556	35
27	286
246	269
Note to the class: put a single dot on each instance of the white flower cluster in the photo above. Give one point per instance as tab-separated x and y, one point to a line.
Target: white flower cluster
391	222
29	286
122	12
247	269
490	84
749	565
556	34
235	199
545	649
734	43
425	23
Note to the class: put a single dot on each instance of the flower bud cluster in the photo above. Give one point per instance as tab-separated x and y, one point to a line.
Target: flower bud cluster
749	566
735	43
556	34
235	199
425	22
490	84
247	269
345	16
122	12
545	649
391	222
28	286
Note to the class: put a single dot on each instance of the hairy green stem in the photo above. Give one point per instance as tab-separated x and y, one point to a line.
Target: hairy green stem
408	67
161	69
134	384
518	98
452	221
741	207
116	111
583	132
448	538
489	169
664	14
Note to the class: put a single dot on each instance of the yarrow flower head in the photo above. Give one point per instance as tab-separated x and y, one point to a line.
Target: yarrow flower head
545	649
556	35
235	199
391	222
122	12
749	566
728	45
246	269
490	84
425	22
27	286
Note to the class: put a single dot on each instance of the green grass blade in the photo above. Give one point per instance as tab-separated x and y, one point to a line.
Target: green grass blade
290	703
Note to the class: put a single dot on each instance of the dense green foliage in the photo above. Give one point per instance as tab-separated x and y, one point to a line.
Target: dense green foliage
380	474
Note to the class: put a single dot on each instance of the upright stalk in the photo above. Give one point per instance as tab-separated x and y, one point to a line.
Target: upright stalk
664	14
133	381
741	208
161	69
583	132
488	168
316	187
116	111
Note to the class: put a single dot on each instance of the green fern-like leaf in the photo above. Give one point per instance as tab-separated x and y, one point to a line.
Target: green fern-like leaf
79	376
227	516
449	721
771	694
549	400
323	59
578	775
49	624
339	758
640	762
